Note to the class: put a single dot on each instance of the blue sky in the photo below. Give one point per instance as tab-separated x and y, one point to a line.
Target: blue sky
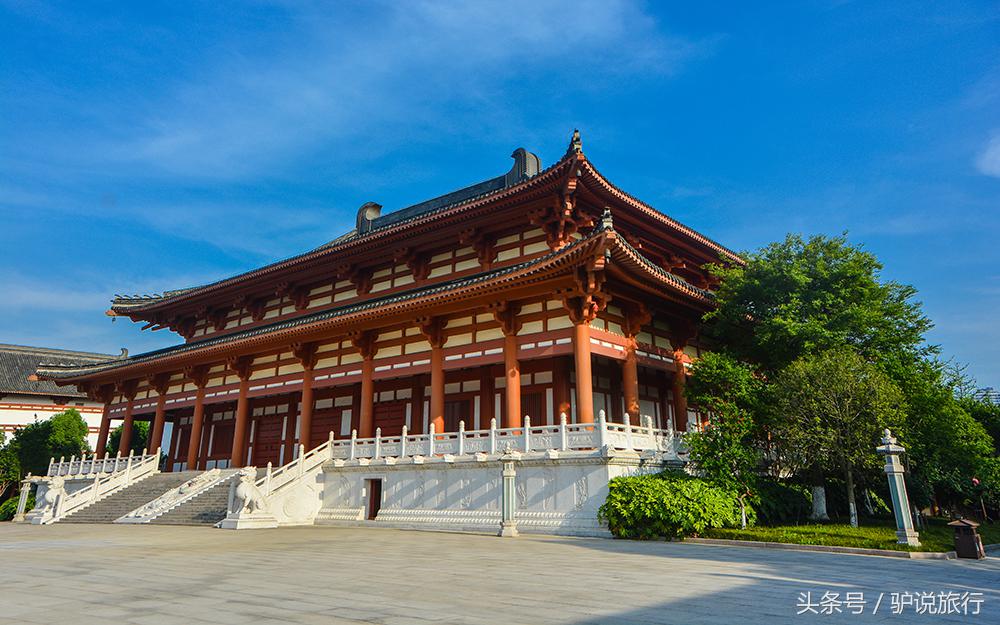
147	146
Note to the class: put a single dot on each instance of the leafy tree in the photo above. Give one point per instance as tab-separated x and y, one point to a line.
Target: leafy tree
726	451
947	446
805	296
985	412
834	407
31	448
10	466
140	434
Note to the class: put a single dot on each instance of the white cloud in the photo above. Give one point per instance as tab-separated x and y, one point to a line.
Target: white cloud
988	161
419	66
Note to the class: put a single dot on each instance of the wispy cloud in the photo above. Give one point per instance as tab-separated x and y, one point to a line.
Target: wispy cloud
343	75
988	160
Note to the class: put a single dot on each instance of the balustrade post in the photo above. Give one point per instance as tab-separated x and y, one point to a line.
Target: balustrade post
354	443
22	501
493	436
52	466
118	459
461	438
302	463
329	445
602	429
128	466
628	432
402	442
62	461
378	442
527	433
267	479
94	488
563	433
69	469
430	440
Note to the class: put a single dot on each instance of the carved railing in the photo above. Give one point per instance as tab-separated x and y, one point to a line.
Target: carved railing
56	503
176	496
527	438
75	467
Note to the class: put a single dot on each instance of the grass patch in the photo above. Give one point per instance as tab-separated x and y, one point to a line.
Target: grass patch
936	535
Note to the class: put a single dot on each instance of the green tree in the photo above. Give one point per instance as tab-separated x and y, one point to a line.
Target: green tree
834	406
804	296
10	466
61	435
726	451
140	434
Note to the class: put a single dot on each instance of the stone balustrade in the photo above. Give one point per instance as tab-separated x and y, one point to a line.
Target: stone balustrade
527	438
55	501
82	466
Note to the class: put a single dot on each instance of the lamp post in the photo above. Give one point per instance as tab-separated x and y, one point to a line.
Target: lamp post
905	532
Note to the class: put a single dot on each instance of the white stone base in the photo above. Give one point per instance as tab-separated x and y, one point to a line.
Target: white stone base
248	522
557	493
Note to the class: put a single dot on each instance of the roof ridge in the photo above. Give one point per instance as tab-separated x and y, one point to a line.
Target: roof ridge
55	351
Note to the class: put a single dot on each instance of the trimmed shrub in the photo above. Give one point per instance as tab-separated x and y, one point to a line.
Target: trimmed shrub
9	507
667	505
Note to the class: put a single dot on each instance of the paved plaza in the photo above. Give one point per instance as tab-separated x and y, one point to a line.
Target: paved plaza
150	575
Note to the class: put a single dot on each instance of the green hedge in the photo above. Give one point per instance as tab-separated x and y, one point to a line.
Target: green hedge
779	502
9	507
667	505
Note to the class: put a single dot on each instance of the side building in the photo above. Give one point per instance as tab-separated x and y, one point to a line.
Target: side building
24	401
533	297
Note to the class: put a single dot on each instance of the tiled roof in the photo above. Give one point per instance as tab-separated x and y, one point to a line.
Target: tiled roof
17	362
526	166
371	307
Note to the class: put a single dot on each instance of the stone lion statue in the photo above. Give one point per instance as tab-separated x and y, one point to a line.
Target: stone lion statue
55	489
249	496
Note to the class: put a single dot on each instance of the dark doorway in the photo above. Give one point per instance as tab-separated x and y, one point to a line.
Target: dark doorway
457	410
374	498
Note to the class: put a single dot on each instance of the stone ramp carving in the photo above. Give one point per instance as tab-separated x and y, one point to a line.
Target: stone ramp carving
207	507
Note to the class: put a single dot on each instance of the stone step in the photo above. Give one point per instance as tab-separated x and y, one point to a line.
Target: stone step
128	499
208	508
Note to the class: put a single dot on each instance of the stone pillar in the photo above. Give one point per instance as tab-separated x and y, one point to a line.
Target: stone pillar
584	377
508	496
242	368
906	534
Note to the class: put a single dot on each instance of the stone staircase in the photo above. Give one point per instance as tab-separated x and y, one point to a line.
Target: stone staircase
130	498
206	508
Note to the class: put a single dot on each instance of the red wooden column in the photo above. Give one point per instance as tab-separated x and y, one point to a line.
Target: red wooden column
433	330
682	332
636	316
306	353
506	314
105	395
366	344
582	310
127	390
160	383
241	366
199	376
584	376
